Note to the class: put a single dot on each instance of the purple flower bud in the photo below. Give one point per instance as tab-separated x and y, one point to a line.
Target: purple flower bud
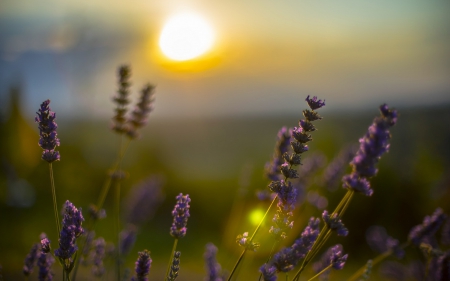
281	147
44	263
30	260
311	115
334	222
127	239
244	241
71	229
337	259
142	267
97	256
180	215
269	272
47	130
45	245
428	228
175	267
381	242
314	103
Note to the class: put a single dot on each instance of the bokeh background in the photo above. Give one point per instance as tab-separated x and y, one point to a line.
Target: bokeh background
216	117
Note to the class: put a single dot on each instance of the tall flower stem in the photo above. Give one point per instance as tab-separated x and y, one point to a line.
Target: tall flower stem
174	248
251	238
325	233
55	205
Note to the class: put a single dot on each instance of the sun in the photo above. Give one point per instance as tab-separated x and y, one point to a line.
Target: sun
186	36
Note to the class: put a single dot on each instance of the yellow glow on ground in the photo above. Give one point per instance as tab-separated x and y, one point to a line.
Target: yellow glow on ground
186	36
256	216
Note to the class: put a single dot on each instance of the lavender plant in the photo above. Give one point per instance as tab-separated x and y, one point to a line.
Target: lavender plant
281	170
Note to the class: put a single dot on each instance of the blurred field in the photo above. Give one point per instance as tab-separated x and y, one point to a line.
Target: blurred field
219	162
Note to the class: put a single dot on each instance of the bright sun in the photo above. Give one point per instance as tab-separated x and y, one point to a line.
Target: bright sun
186	36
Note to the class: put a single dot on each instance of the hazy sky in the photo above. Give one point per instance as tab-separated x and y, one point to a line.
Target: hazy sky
268	55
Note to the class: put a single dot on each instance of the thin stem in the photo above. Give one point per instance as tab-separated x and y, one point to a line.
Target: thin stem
55	205
323	271
343	202
174	247
251	238
270	257
347	203
118	227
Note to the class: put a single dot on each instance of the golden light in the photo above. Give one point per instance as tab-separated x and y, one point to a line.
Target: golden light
256	216
186	36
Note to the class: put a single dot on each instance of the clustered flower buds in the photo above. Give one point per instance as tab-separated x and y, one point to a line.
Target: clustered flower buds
71	230
142	267
47	130
286	192
180	215
372	146
244	241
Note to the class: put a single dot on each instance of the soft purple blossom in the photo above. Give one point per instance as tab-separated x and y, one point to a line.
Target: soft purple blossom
95	213
315	103
45	245
381	242
244	241
30	260
337	258
428	228
334	222
142	267
143	200
213	268
336	168
97	255
141	111
127	239
272	169
287	258
269	272
372	146
71	229
180	215
44	263
47	130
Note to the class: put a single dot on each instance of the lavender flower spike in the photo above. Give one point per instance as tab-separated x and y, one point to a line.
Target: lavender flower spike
142	267
44	263
47	130
337	260
428	228
71	229
140	113
180	215
30	260
213	268
372	146
335	223
122	100
175	267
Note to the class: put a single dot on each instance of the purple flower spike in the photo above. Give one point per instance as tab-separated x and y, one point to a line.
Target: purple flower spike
121	99
47	130
315	103
180	216
140	113
269	272
428	228
281	147
71	229
175	267
372	146
337	259
142	267
30	260
127	239
335	223
44	263
97	256
213	268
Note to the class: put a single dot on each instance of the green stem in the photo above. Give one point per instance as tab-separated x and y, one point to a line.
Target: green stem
117	213
251	238
320	273
55	205
174	247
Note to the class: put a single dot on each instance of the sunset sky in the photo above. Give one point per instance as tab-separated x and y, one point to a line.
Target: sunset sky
266	58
